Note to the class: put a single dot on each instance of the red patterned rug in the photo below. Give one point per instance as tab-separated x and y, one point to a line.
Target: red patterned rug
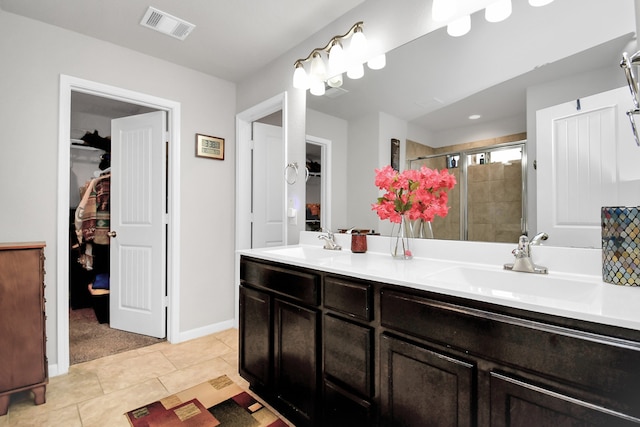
217	402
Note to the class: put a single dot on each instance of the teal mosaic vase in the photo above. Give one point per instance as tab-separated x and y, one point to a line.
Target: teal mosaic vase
621	245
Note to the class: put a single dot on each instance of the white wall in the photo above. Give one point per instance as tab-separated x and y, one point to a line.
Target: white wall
33	57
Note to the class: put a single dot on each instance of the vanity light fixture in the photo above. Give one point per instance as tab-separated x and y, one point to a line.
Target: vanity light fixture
339	60
456	13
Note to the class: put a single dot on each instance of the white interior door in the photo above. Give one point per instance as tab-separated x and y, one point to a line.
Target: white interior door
268	226
586	159
138	150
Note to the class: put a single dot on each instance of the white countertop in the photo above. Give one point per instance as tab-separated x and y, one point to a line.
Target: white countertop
573	288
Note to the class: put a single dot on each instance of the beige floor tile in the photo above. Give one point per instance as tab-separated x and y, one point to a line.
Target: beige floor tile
229	337
62	391
196	351
64	417
135	370
109	410
196	374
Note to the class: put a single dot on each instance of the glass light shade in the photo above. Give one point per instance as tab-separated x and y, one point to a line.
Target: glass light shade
460	26
443	10
318	69
337	59
335	81
317	87
378	62
358	47
538	3
300	78
356	71
498	11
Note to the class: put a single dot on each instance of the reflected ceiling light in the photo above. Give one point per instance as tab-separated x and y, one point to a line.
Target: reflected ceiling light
339	60
538	3
460	26
474	116
498	11
455	13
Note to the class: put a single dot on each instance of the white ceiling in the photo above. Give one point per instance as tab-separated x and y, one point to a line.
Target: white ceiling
232	38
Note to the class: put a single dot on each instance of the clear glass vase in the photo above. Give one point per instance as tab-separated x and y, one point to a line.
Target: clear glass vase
420	229
400	238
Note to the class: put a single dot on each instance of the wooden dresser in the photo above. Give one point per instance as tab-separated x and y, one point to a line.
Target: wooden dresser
23	360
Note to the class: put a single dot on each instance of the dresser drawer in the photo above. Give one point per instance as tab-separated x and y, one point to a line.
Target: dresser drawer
349	297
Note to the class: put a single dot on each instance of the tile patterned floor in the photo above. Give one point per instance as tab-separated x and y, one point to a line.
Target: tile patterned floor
97	393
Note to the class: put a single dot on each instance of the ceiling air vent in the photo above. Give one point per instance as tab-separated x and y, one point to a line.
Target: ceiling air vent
166	24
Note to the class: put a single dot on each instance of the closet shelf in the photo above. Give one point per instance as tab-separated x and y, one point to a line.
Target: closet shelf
80	145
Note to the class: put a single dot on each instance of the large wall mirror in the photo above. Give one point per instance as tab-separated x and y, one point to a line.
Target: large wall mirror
503	72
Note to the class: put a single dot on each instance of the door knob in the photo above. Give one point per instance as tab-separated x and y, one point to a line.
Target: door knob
112	234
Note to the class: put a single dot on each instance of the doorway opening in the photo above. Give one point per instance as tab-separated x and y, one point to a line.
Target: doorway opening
318	188
170	268
90	334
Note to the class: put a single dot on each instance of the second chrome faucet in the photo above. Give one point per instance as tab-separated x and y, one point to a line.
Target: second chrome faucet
524	260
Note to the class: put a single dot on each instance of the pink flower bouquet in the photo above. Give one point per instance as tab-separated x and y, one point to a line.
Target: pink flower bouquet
414	193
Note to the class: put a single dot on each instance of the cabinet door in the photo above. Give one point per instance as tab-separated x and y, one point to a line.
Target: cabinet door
255	336
516	403
420	387
348	349
295	355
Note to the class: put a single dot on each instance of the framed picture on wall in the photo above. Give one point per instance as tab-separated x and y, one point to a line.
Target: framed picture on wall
210	147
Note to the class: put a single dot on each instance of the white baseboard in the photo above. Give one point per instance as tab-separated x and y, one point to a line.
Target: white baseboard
205	330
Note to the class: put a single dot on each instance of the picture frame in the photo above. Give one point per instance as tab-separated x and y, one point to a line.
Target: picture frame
210	147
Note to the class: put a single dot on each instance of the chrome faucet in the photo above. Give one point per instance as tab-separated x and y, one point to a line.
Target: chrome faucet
524	261
329	242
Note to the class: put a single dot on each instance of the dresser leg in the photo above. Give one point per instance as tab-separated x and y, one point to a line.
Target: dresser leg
39	394
4	404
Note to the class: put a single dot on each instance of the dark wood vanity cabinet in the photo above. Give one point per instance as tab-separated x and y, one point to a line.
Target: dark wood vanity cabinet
339	351
280	337
348	352
23	361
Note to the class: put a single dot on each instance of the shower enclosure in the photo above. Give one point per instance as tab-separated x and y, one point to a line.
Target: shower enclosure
489	202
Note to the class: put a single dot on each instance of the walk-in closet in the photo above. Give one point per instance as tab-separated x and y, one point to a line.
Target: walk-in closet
90	335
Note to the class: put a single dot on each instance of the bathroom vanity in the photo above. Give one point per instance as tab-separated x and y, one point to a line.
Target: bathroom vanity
335	338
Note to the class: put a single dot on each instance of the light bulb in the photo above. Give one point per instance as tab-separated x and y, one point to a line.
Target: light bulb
337	59
317	87
356	71
358	46
538	3
378	62
300	78
460	26
443	10
498	11
335	81
318	69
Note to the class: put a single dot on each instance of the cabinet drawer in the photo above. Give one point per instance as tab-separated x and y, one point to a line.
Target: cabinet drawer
300	285
544	349
349	297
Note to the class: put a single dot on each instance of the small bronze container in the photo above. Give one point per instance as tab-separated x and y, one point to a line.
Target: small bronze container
358	243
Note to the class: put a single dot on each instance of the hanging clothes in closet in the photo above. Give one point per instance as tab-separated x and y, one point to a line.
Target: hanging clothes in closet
92	222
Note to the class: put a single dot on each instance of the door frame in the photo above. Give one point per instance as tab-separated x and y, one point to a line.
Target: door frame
244	122
325	178
70	84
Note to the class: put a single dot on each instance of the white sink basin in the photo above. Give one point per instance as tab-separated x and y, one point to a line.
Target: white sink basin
306	252
526	287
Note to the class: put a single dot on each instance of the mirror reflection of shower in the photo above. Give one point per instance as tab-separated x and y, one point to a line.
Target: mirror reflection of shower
489	202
